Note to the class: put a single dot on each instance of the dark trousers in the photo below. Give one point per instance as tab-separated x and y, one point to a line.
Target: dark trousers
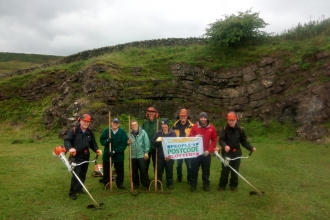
119	166
205	163
139	172
153	157
168	167
179	168
223	181
81	173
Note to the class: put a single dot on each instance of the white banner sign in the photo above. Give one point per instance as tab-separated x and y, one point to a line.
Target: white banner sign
182	147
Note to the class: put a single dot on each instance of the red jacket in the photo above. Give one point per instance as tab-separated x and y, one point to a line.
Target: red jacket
209	134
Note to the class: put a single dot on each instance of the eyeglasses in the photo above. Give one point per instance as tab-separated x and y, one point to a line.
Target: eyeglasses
134	124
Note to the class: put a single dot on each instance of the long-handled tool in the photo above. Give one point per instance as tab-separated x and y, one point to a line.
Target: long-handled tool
130	160
110	182
226	163
156	169
59	152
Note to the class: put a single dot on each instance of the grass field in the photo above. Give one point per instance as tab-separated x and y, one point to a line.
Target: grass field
294	176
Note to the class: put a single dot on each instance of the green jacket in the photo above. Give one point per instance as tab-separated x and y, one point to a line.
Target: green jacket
118	144
150	127
140	144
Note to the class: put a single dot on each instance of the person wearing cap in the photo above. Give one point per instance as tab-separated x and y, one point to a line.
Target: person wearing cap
150	127
77	142
118	142
231	136
182	128
203	128
140	144
164	163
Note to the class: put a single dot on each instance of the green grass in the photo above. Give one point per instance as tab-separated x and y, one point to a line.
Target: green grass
294	176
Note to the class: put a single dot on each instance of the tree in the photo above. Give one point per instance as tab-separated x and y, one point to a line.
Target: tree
235	30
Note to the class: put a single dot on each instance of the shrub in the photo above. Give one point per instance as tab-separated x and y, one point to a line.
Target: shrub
235	30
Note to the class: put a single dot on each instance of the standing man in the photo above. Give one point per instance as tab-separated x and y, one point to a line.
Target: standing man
77	142
208	132
140	144
118	141
164	163
231	136
150	127
182	128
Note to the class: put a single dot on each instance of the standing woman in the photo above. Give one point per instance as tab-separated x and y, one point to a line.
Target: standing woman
164	163
140	145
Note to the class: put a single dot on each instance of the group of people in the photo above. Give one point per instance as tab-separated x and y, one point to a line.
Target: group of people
146	146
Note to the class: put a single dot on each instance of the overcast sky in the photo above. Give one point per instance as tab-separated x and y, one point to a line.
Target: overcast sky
65	27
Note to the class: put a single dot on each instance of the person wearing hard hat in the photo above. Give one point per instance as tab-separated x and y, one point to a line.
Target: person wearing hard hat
203	128
231	136
182	128
150	127
77	142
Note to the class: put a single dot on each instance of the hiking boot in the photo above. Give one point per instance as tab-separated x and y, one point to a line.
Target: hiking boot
170	187
206	188
73	196
193	188
234	189
222	188
121	187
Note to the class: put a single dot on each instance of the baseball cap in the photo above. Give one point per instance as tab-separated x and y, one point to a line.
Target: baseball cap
116	120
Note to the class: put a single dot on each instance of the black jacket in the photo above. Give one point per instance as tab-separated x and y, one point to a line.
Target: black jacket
160	152
80	141
233	137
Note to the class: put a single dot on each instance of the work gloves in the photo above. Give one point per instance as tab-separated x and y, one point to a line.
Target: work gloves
146	156
99	152
111	153
109	140
72	152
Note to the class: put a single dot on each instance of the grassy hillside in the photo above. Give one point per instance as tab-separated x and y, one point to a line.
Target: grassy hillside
296	46
12	61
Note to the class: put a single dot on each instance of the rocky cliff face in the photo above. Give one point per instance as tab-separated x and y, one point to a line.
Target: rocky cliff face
266	90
